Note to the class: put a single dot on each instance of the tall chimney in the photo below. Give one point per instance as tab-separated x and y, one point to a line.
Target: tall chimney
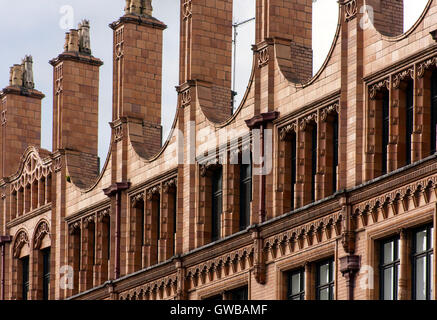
76	94
138	67
20	116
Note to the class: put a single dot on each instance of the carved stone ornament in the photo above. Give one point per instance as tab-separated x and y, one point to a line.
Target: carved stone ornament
375	88
170	185
84	37
153	191
263	57
21	75
335	107
138	198
306	120
42	230
187	10
287	130
74	227
397	78
105	213
423	66
350	9
138	7
21	240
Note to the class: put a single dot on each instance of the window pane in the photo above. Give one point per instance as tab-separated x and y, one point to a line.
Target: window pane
388	252
421	278
324	274
421	241
431	239
388	284
431	275
324	294
295	283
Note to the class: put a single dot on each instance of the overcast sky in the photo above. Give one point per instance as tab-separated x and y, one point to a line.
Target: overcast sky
38	28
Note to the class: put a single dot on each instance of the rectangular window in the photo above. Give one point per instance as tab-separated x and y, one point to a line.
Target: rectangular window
385	131
325	280
389	269
313	162
24	277
423	263
409	120
245	194
217	203
238	294
175	220
433	111
45	273
293	168
296	285
335	155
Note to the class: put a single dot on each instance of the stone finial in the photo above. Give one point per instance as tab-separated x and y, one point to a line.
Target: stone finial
11	70
73	41
21	75
17	75
27	66
138	7
84	37
78	40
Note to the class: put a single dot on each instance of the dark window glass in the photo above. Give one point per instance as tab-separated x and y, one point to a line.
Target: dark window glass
423	263
313	162
433	111
93	243
45	273
325	280
175	220
389	269
335	154
108	238
296	285
238	294
409	95
293	168
245	194
385	131
158	218
24	277
217	203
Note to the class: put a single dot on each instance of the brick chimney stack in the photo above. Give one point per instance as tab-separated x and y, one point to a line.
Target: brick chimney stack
76	94
138	64
20	111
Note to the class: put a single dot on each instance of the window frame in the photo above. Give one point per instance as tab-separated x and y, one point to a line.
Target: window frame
216	199
395	264
245	182
428	253
331	284
301	294
45	253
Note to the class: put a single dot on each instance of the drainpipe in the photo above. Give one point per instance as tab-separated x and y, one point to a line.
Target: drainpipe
3	241
260	121
116	189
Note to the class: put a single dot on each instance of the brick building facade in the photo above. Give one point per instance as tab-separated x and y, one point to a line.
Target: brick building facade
316	187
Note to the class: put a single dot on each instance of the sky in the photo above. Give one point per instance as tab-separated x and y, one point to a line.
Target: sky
38	27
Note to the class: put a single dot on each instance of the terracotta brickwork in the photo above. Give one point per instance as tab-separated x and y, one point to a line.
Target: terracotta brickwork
310	173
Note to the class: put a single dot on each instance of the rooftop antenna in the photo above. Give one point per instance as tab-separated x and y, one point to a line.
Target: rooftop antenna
235	26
